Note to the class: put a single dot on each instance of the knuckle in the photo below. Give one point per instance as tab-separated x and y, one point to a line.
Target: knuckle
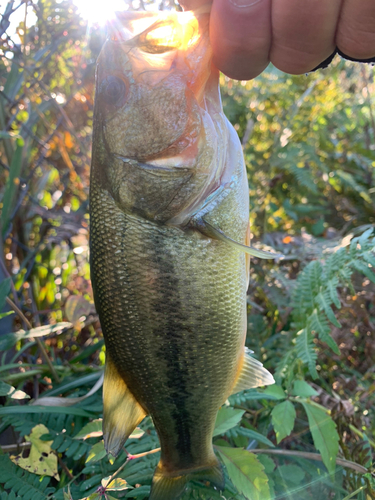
357	39
298	60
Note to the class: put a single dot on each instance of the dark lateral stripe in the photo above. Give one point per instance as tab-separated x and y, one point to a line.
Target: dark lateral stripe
171	349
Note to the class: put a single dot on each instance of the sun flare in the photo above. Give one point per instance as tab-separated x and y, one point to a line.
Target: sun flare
100	12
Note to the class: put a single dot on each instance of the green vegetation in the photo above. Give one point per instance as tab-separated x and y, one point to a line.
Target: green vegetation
309	145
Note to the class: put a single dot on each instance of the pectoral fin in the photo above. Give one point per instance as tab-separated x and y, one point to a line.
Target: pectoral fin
121	411
216	233
251	374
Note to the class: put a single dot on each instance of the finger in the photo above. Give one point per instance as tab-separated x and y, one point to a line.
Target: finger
303	33
193	4
356	29
240	32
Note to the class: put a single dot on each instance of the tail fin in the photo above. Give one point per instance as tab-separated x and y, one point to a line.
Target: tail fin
167	487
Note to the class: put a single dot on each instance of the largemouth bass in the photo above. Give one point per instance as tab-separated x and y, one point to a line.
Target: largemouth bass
169	243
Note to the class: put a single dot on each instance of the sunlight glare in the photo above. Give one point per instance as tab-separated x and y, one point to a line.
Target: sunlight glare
100	12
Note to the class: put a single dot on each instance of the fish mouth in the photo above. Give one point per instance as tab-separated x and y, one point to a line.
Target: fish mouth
167	165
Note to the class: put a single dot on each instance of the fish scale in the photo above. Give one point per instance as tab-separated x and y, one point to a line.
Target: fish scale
168	239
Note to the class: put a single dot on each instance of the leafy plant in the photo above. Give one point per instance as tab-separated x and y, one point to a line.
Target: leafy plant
310	155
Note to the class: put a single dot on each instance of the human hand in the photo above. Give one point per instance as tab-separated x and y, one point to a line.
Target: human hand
295	35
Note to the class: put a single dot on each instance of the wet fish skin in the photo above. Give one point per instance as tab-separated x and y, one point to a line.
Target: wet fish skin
171	298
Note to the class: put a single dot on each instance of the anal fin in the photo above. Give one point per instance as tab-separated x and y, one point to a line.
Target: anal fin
171	487
121	411
252	374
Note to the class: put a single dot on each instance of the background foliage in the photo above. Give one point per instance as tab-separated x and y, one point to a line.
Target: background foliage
309	145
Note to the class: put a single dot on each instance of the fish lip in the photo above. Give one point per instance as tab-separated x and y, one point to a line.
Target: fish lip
149	166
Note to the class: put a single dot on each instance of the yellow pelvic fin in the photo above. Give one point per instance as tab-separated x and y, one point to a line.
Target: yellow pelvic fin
121	411
167	487
218	234
252	374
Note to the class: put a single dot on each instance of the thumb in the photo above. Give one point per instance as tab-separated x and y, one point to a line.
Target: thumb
194	4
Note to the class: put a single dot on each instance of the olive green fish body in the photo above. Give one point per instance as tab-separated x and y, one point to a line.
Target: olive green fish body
171	297
172	307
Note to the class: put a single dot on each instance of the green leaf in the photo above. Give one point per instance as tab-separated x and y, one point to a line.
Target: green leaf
276	391
324	433
251	434
4	292
88	352
302	389
332	285
319	324
42	460
14	410
11	186
12	392
326	307
246	472
9	135
94	496
250	395
97	453
227	418
10	339
5	389
19	394
117	484
306	351
137	433
140	492
67	494
21	481
73	384
76	307
283	418
268	463
291	473
92	429
4	315
364	269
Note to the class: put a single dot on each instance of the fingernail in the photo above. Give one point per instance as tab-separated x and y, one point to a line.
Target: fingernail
244	3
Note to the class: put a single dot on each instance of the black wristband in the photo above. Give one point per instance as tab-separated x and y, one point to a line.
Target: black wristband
329	59
369	60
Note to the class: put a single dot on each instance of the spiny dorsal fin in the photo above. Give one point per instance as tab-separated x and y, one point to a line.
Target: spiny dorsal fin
121	411
252	374
215	232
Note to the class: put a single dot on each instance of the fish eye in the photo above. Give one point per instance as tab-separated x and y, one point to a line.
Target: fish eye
112	89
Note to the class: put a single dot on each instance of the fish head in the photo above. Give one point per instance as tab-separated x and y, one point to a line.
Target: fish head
157	144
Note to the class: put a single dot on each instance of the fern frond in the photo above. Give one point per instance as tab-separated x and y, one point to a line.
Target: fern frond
306	351
323	300
23	483
331	287
9	496
318	323
316	292
363	268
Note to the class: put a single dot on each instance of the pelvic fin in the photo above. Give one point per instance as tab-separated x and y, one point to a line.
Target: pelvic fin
121	411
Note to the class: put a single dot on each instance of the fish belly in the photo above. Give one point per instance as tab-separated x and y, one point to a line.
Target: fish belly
173	312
